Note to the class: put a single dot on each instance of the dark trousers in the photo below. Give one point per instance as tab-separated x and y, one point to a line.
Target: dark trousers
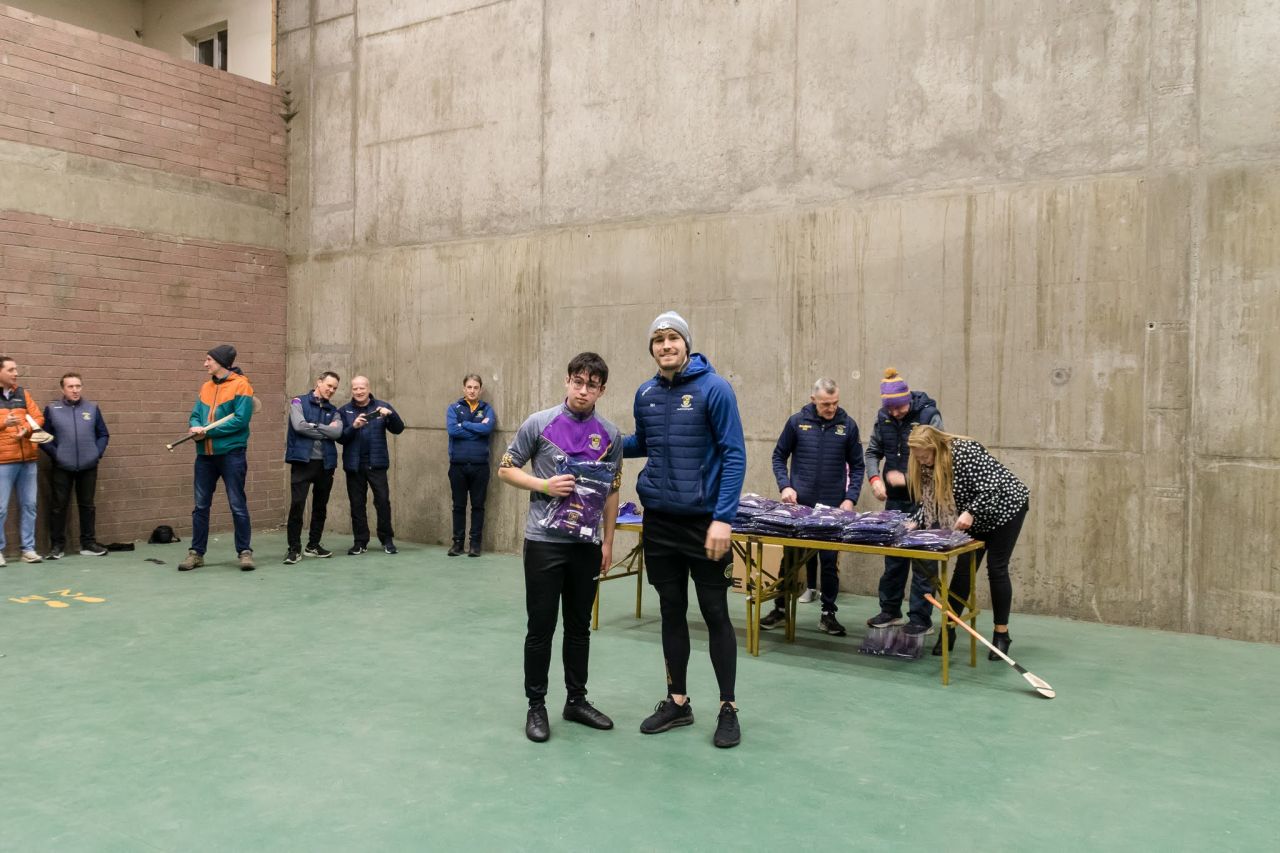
358	484
232	468
830	580
85	484
893	583
558	575
468	479
304	476
999	549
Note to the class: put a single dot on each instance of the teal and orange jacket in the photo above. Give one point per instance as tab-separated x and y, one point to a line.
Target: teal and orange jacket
218	397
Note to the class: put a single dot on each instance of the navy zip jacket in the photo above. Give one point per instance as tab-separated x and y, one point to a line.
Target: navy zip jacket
298	447
468	435
79	434
690	430
826	458
889	440
371	439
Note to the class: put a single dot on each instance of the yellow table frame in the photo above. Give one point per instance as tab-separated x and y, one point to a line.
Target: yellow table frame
762	586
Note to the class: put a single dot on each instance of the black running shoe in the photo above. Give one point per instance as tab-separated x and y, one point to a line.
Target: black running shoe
356	550
93	549
455	550
884	620
292	557
389	547
831	625
667	715
537	727
582	711
776	618
727	731
55	553
317	551
916	629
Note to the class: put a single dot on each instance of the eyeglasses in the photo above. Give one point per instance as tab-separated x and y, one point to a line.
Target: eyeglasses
577	383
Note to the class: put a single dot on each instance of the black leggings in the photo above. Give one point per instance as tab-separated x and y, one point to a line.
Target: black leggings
999	549
673	597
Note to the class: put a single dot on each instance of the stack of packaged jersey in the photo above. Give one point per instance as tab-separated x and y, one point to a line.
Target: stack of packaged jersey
883	528
750	506
826	523
934	540
780	521
581	513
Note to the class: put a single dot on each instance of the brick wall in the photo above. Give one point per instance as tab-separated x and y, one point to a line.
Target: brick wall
75	90
135	311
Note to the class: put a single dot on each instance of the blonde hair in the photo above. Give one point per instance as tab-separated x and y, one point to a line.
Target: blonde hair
925	437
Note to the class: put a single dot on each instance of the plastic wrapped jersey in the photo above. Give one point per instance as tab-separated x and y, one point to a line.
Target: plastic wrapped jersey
580	514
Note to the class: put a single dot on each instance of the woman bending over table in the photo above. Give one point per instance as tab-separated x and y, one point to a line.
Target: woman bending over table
959	485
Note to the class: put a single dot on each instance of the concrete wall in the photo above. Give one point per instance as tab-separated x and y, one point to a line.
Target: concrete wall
1058	218
141	222
120	19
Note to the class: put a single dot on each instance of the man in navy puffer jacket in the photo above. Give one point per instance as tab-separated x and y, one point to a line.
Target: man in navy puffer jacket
825	451
688	426
366	420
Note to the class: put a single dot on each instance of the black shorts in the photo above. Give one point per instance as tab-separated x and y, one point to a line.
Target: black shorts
675	550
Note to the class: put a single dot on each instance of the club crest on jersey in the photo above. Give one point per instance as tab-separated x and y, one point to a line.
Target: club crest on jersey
594	441
806	427
728	571
686	401
840	430
85	416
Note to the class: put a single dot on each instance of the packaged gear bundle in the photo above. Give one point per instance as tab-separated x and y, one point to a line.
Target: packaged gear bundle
580	514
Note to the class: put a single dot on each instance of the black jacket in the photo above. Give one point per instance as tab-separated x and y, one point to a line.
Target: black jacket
826	457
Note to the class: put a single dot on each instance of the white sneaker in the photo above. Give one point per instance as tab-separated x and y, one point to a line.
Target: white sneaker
31	557
2	562
808	596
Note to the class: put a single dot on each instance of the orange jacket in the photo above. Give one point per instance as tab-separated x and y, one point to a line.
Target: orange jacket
13	448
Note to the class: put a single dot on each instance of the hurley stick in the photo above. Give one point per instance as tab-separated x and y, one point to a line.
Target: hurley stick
192	435
1041	686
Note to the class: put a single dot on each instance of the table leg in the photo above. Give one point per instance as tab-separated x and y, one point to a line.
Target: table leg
946	622
639	566
595	610
972	606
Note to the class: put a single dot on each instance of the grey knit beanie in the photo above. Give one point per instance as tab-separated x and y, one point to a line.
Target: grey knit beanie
671	320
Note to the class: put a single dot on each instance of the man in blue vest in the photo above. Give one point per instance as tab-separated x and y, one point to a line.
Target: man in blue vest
687	424
80	439
470	423
887	457
314	426
366	421
824	448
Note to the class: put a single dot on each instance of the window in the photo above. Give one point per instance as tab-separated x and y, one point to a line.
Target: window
211	48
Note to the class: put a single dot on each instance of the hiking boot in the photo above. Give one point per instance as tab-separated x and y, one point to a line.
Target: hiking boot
1001	641
667	715
582	711
356	550
776	617
949	636
31	557
537	727
455	550
389	547
317	551
727	731
831	625
246	561
474	550
55	553
884	620
93	549
193	561
292	557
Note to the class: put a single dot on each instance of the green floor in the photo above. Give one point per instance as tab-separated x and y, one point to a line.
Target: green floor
375	703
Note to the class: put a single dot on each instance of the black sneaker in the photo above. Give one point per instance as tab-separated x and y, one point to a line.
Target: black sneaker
93	549
949	637
777	617
916	629
55	553
727	731
474	550
667	715
292	557
317	551
455	549
582	711
831	625
389	547
537	727
356	550
884	620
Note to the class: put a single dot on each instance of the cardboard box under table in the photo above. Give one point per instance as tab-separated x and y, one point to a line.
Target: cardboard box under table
764	584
